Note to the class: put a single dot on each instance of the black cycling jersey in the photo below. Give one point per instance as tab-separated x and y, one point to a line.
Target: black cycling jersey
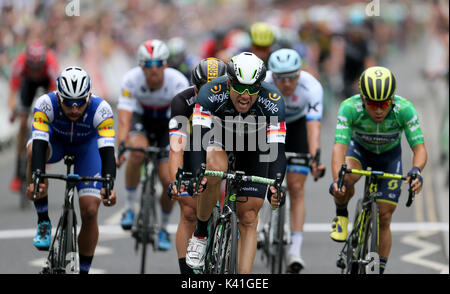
261	130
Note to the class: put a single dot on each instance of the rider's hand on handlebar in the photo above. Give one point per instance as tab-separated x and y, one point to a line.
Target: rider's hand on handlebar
417	183
317	171
274	198
120	159
42	191
111	199
335	191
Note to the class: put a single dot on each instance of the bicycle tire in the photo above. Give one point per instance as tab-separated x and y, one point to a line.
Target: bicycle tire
215	263
371	242
143	224
232	247
71	263
278	244
209	258
352	241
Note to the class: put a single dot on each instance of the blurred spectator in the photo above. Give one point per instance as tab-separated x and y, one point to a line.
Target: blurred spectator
179	58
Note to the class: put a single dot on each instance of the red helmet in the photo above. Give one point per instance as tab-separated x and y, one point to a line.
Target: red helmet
36	54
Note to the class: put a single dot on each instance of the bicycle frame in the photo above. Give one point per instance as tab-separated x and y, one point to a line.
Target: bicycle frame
355	256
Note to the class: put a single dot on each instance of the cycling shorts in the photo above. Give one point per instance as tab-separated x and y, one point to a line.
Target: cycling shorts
297	141
154	129
87	162
388	190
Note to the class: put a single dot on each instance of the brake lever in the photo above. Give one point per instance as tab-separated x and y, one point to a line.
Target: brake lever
411	195
342	172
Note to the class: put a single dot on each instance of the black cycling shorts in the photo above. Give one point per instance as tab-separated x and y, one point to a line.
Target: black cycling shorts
28	89
154	129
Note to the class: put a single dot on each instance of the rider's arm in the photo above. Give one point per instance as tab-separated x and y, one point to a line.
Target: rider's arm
15	81
124	125
125	107
420	156
338	158
104	122
177	134
314	114
313	133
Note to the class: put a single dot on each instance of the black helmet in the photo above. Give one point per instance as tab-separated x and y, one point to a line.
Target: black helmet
206	70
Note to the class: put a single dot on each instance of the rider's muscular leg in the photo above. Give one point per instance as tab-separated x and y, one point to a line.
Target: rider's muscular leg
248	221
385	211
135	159
215	160
296	184
88	236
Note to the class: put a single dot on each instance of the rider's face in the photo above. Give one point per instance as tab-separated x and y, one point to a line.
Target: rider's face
74	112
242	102
377	113
154	76
287	83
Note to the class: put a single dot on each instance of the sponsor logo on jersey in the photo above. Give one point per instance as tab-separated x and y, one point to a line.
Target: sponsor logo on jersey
216	88
105	129
125	93
218	97
274	96
40	121
270	106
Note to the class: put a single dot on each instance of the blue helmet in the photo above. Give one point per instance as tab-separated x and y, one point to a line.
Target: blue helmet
284	60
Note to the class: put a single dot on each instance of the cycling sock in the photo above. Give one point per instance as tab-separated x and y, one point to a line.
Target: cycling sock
184	268
41	206
131	198
383	261
201	230
341	209
165	215
296	246
85	263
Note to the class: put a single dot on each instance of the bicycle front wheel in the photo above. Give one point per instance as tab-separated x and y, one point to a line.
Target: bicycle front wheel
371	242
278	244
231	254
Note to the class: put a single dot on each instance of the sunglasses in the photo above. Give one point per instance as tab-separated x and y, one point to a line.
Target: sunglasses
290	76
77	102
251	89
374	105
153	62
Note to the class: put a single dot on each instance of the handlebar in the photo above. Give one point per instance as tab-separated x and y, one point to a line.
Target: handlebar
306	159
378	174
38	176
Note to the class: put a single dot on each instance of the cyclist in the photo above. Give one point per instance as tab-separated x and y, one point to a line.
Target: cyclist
144	112
35	67
262	38
182	108
238	100
368	133
303	99
179	58
72	120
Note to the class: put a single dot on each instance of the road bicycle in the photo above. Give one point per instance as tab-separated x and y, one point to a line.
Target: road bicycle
145	227
275	233
63	252
222	248
359	254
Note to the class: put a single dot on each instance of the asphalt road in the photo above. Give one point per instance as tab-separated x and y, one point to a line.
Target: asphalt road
419	245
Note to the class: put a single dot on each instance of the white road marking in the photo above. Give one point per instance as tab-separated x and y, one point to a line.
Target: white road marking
172	228
424	249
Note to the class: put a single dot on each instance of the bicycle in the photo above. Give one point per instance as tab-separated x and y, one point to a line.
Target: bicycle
63	251
222	248
145	226
359	254
274	240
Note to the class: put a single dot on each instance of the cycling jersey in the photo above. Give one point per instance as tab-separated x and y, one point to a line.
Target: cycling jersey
21	73
265	117
79	138
137	97
306	100
353	122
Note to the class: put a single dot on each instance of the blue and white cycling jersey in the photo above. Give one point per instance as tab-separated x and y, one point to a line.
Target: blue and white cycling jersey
306	100
82	138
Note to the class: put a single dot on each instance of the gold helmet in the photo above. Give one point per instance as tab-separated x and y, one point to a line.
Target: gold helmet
261	34
377	83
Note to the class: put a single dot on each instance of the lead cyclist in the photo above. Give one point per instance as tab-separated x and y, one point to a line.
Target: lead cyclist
368	133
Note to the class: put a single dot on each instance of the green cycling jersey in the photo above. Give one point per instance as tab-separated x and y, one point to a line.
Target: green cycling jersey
354	123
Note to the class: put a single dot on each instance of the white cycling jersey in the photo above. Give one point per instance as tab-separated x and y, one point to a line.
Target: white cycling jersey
136	96
306	100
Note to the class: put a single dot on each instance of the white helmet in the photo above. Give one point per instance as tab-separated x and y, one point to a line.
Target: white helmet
246	68
73	83
152	49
